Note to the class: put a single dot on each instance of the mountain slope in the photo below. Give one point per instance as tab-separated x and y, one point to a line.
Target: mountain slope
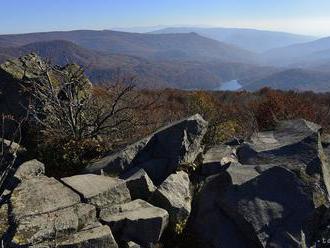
300	54
101	66
163	46
250	39
294	79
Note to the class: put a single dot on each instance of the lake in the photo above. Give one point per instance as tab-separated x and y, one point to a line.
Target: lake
232	85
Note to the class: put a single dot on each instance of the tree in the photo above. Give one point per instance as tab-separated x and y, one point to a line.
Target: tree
81	121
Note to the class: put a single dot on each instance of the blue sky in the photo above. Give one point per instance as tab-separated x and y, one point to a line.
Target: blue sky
299	16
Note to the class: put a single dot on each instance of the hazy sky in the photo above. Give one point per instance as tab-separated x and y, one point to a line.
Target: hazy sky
299	16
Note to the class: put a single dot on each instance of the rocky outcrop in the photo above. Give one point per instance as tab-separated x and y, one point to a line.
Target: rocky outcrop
272	209
174	195
161	153
273	194
99	190
42	211
272	197
136	221
297	144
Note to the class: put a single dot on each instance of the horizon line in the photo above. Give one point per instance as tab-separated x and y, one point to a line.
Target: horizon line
160	27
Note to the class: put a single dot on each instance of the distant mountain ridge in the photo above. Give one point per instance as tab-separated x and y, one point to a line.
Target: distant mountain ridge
184	61
249	39
308	55
189	46
101	66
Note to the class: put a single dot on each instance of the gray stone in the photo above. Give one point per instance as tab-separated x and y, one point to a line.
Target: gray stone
99	237
174	195
30	169
174	145
270	210
117	163
295	144
217	157
136	221
139	184
41	195
99	190
38	228
240	174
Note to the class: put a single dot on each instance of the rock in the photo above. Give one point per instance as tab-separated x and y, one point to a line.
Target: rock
240	174
215	158
120	162
174	196
30	169
41	195
171	146
44	213
292	143
100	237
269	210
38	228
139	184
99	190
136	221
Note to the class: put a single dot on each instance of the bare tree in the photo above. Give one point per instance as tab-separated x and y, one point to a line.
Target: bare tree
71	108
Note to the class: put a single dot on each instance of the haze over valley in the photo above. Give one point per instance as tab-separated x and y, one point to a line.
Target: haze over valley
186	58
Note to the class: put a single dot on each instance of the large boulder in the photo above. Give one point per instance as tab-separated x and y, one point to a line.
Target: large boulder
270	209
136	221
99	190
295	143
161	153
174	195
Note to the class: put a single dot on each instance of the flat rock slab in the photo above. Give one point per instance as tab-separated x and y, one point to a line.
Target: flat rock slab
98	237
217	153
41	195
39	228
136	221
242	173
99	190
139	184
215	158
295	140
174	195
